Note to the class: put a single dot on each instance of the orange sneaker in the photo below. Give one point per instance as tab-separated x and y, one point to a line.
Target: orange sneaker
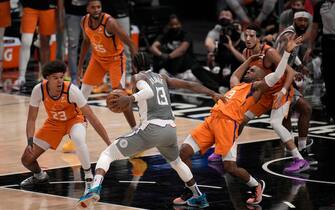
103	88
69	147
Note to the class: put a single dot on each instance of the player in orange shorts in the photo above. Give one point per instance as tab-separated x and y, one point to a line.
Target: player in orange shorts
277	99
5	21
106	38
41	14
66	108
221	127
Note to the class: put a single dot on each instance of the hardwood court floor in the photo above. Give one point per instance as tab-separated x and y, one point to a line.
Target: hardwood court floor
149	182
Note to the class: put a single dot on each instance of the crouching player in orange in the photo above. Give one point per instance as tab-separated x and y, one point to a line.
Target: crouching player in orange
66	108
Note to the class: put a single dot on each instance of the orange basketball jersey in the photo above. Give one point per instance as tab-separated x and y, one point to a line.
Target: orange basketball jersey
59	109
104	45
260	63
238	100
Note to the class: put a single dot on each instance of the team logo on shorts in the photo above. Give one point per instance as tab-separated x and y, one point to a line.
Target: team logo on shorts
123	143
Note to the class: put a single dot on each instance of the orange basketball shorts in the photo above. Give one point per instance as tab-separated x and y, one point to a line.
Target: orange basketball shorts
53	131
96	71
5	18
46	20
216	129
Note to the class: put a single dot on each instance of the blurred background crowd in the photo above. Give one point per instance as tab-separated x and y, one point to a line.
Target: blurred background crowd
194	40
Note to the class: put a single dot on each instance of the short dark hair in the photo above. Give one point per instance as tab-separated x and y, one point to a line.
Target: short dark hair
89	1
142	61
255	28
173	16
52	67
303	1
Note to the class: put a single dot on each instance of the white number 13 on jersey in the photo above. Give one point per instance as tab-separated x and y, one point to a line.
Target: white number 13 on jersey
161	96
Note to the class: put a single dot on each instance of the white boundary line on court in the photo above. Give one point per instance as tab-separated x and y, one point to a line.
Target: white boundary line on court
265	168
209	186
140	182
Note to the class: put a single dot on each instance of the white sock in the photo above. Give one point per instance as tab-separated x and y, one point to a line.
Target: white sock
195	190
252	182
88	174
26	41
40	175
295	153
302	141
97	180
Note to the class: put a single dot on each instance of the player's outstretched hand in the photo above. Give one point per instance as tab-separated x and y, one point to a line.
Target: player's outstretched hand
293	43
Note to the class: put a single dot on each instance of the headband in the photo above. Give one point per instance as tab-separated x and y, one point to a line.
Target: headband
301	14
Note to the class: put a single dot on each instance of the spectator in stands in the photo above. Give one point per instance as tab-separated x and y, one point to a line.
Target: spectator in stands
224	46
286	18
238	6
172	49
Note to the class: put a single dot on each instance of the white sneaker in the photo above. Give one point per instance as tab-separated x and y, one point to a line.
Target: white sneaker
17	84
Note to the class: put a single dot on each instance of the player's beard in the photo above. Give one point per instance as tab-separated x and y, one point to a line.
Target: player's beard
246	79
95	16
299	31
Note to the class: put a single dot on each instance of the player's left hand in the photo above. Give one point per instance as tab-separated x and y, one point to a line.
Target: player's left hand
217	97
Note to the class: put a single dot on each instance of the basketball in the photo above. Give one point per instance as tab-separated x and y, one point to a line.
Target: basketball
112	97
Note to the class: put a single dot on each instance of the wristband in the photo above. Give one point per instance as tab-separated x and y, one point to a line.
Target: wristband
283	90
30	141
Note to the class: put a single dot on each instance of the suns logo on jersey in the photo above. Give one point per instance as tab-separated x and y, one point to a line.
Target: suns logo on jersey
57	107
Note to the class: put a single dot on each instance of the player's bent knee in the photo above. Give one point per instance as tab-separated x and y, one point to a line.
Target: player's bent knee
186	152
110	154
27	159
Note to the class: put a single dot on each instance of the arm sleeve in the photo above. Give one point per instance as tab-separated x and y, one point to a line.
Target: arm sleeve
36	96
76	96
273	78
144	93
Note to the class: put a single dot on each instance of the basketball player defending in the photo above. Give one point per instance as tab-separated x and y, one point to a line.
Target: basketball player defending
221	127
66	108
107	38
157	128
